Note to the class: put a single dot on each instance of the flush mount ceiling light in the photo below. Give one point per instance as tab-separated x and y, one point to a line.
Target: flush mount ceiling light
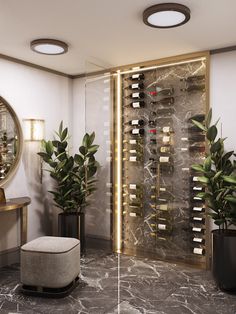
49	46
166	15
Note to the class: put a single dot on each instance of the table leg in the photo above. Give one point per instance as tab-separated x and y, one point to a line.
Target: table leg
23	224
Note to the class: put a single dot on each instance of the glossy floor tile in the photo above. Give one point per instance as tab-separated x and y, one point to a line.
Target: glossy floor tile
113	283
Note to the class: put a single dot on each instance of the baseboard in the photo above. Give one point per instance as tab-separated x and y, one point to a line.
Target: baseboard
9	257
96	242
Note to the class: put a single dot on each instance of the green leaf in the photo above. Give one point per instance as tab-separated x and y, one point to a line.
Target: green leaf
93	148
86	140
64	134
217	175
83	150
207	164
92	137
199	125
49	148
79	159
215	147
203	180
208	118
204	195
45	156
219	222
60	128
230	179
230	198
212	133
197	167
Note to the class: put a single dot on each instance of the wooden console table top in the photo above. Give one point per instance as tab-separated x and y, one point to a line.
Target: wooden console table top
14	203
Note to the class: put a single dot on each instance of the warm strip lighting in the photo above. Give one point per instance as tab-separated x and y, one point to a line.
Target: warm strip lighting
119	164
33	129
164	65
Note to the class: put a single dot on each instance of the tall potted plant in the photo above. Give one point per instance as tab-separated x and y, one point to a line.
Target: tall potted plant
74	180
217	173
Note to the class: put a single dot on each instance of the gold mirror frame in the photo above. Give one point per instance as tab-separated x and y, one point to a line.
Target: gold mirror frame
19	134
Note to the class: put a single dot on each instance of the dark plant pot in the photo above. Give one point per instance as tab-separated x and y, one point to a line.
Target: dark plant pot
224	259
72	225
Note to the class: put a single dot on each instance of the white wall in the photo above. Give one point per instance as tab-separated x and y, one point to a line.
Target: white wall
32	94
223	94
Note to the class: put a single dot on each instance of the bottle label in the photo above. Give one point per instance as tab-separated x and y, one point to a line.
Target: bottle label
133	186
135	76
184	139
132	158
197	188
163	189
166	129
195	179
166	139
136	104
135	95
135	131
198	251
133	214
153	131
164	159
134	86
197	218
196	198
161	227
134	122
197	209
196	229
184	149
163	207
132	141
185	169
132	196
164	149
199	240
133	151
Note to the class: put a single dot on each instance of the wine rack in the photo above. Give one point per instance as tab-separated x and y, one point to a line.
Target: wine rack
162	215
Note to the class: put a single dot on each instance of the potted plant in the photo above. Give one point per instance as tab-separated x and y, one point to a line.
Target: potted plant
217	173
74	180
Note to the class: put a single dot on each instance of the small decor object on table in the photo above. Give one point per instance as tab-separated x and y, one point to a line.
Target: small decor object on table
2	196
217	173
75	182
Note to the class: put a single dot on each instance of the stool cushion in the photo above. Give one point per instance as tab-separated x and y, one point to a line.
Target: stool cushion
50	262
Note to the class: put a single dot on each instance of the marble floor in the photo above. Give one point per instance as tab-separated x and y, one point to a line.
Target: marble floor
127	285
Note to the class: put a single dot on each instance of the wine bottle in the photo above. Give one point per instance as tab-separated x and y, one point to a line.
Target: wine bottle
137	104
197	229
136	95
167	101
194	138
166	140
193	88
166	129
136	122
198	251
198	117
137	131
164	159
133	158
194	149
153	141
193	78
136	77
133	214
198	209
162	91
165	112
132	186
199	240
165	149
198	219
135	86
163	207
197	188
152	131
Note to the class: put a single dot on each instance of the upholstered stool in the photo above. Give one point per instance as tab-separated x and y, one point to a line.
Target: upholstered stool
50	265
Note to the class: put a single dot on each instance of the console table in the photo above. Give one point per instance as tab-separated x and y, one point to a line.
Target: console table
20	204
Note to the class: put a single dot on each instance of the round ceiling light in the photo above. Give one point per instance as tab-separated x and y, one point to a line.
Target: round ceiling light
166	15
49	46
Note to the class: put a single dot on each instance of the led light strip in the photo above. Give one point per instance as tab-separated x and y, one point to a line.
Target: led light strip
162	66
119	164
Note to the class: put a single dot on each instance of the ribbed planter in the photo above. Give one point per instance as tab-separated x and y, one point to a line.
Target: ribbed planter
72	225
224	259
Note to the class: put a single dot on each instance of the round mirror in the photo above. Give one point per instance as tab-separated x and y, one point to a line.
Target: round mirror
10	141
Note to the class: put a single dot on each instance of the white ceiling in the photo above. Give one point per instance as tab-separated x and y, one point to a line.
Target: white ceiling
110	32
